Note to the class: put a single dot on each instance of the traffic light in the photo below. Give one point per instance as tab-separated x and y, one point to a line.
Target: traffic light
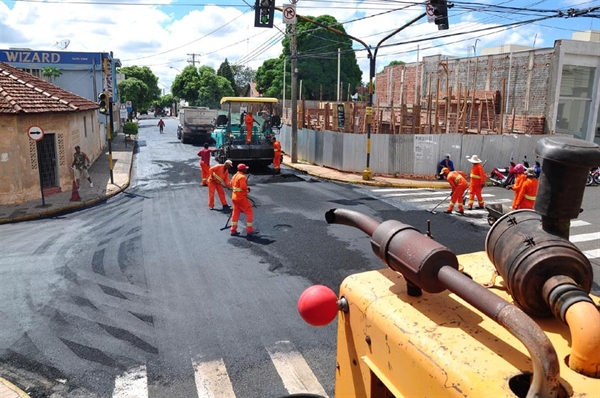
102	103
263	13
440	11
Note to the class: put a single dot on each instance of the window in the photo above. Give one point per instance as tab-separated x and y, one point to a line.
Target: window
575	100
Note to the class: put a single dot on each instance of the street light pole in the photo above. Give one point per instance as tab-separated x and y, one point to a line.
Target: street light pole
175	69
475	47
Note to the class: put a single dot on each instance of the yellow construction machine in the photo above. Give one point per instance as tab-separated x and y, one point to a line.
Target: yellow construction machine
515	320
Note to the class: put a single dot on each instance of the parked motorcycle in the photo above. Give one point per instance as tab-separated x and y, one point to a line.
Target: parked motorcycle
505	176
593	176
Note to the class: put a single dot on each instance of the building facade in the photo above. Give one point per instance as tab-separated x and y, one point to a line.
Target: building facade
503	90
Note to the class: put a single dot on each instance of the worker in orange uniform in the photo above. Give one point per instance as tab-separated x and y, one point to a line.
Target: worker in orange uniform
525	197
520	178
217	180
458	182
277	154
241	203
476	183
249	120
204	154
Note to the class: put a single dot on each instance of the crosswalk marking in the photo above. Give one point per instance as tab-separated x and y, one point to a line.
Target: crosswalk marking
132	384
295	373
584	237
212	379
579	223
595	253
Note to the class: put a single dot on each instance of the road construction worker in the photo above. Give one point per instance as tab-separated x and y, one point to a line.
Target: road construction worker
249	120
204	154
458	182
277	155
476	183
520	178
241	203
525	196
217	180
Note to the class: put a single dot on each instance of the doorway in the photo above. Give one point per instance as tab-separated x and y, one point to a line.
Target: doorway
46	149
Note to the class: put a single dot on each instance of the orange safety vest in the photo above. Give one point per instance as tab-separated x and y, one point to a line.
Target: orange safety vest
477	175
457	178
239	186
219	175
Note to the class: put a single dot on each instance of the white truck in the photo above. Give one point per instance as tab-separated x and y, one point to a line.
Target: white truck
196	124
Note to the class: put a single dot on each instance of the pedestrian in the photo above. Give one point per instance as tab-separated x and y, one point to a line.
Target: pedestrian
447	163
204	154
538	169
525	197
249	120
241	203
161	125
458	182
80	165
217	180
476	182
277	154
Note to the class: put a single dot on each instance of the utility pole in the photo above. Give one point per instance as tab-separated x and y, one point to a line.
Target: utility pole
193	62
294	95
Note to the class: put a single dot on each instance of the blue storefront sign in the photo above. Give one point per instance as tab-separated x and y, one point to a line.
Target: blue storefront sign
29	58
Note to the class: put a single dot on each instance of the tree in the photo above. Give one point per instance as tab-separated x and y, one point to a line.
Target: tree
212	88
51	73
134	90
318	58
187	85
226	71
242	76
151	92
396	63
269	79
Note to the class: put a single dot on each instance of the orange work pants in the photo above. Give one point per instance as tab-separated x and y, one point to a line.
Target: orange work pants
249	132
475	191
204	172
212	186
277	161
457	197
242	206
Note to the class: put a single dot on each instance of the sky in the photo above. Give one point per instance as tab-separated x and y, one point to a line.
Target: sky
168	35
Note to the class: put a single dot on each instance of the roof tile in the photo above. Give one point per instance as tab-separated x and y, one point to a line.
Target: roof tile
21	92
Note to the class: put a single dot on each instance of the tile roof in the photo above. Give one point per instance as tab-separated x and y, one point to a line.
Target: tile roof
21	92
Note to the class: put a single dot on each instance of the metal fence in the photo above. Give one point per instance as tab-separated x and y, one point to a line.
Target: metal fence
407	153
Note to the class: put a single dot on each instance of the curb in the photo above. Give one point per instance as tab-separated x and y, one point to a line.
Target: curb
16	390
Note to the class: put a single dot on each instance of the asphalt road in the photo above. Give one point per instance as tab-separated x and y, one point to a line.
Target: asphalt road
147	294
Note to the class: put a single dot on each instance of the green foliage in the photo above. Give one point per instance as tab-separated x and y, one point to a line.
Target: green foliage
134	90
226	72
187	85
166	101
51	72
318	52
242	76
269	80
130	128
396	63
141	96
212	88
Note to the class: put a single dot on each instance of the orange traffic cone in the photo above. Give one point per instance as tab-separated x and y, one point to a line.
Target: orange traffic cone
75	193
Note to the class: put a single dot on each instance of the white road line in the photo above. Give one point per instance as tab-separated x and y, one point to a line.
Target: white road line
592	253
422	193
585	237
132	384
380	190
579	223
212	379
293	369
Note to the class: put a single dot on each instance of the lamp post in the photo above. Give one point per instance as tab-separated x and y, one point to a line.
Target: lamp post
475	47
172	67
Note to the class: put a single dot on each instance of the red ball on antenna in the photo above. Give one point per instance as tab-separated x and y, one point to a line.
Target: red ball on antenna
317	305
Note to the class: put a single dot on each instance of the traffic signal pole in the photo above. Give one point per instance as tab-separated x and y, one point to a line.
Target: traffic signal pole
366	174
108	123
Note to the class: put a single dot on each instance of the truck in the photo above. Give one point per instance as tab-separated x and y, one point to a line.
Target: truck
516	319
196	124
253	148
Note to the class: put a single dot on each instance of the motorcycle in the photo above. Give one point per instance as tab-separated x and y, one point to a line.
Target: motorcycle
593	176
505	176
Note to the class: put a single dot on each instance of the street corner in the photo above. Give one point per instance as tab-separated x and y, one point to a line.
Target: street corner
9	390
